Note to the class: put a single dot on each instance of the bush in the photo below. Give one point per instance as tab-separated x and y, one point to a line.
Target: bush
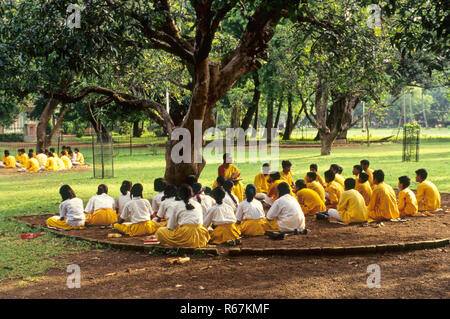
12	137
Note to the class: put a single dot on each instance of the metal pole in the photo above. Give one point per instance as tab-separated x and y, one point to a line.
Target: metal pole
404	109
410	106
424	113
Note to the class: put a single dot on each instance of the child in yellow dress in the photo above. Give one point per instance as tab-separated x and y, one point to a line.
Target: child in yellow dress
407	202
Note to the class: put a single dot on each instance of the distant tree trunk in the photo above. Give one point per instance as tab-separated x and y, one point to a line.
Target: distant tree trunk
100	130
253	107
42	140
269	121
289	120
137	131
280	106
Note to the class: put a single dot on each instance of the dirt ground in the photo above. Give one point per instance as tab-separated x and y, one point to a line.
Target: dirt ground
125	274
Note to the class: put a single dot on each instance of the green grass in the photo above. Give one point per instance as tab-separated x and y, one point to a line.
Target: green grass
31	194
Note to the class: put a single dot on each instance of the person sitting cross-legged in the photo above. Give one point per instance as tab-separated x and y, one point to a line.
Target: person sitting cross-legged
71	214
351	207
309	200
407	202
100	209
285	214
383	203
250	214
428	196
222	219
139	211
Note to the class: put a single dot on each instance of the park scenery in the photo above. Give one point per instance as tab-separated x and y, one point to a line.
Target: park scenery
213	149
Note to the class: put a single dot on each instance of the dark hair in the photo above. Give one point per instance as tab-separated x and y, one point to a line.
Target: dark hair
41	150
70	152
422	172
220	180
31	150
52	149
349	183
312	175
228	186
364	162
76	149
66	192
197	189
286	163
225	157
136	190
405	181
218	194
313	166
126	187
191	180
358	167
250	192
30	154
364	177
169	191
63	147
207	190
159	184
329	175
300	183
283	189
334	168
22	150
275	175
62	153
184	194
6	153
379	175
266	165
102	189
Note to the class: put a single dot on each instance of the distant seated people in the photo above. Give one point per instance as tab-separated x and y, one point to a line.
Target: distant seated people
286	174
407	202
159	184
72	156
52	150
428	196
365	166
230	198
42	158
32	165
351	207
79	158
185	226
309	200
31	153
274	181
100	210
261	184
139	211
250	214
206	201
222	219
66	160
314	168
285	214
312	183
8	161
64	150
333	190
21	158
123	198
363	187
337	170
71	215
60	164
383	203
51	164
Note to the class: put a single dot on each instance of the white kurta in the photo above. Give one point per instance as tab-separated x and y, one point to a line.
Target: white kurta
164	208
227	200
288	213
137	210
72	211
182	216
120	202
156	201
98	202
252	210
219	215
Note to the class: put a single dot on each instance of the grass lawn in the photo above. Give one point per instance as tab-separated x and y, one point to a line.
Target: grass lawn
30	194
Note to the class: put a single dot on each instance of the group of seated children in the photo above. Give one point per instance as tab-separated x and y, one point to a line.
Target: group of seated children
191	215
43	160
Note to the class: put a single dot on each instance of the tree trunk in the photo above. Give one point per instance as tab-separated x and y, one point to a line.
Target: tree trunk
289	121
253	107
100	130
137	131
42	141
280	106
269	121
326	143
